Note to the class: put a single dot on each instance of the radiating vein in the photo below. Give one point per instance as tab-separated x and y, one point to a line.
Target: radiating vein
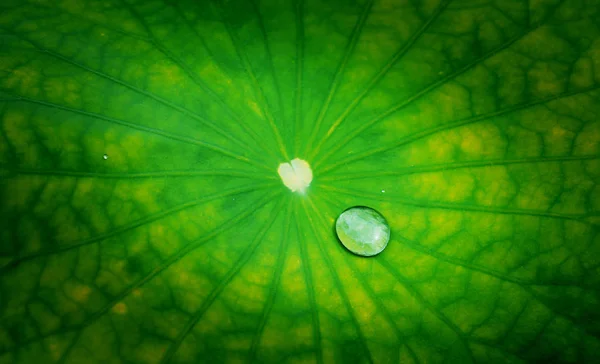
265	37
336	279
310	288
429	306
201	84
212	125
274	285
263	103
299	78
352	41
412	353
146	129
225	226
524	284
471	266
350	259
136	175
132	225
382	72
452	125
460	207
247	128
241	261
451	166
424	91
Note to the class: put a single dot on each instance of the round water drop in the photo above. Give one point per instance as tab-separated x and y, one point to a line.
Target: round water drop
363	230
105	156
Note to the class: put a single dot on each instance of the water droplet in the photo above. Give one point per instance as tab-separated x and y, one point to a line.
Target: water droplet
105	156
363	230
382	191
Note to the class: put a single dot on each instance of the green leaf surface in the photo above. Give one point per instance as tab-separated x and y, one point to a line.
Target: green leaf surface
143	219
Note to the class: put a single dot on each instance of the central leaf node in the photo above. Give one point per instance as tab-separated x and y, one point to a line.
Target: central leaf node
296	175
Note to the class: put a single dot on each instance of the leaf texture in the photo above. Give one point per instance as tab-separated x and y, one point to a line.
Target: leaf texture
144	221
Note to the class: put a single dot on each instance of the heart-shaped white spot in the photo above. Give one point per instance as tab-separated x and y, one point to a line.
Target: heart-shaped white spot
296	175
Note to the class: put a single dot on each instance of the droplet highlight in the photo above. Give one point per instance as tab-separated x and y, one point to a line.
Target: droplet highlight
105	156
363	230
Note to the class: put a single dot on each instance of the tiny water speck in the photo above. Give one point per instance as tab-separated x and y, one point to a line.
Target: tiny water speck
363	230
105	156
